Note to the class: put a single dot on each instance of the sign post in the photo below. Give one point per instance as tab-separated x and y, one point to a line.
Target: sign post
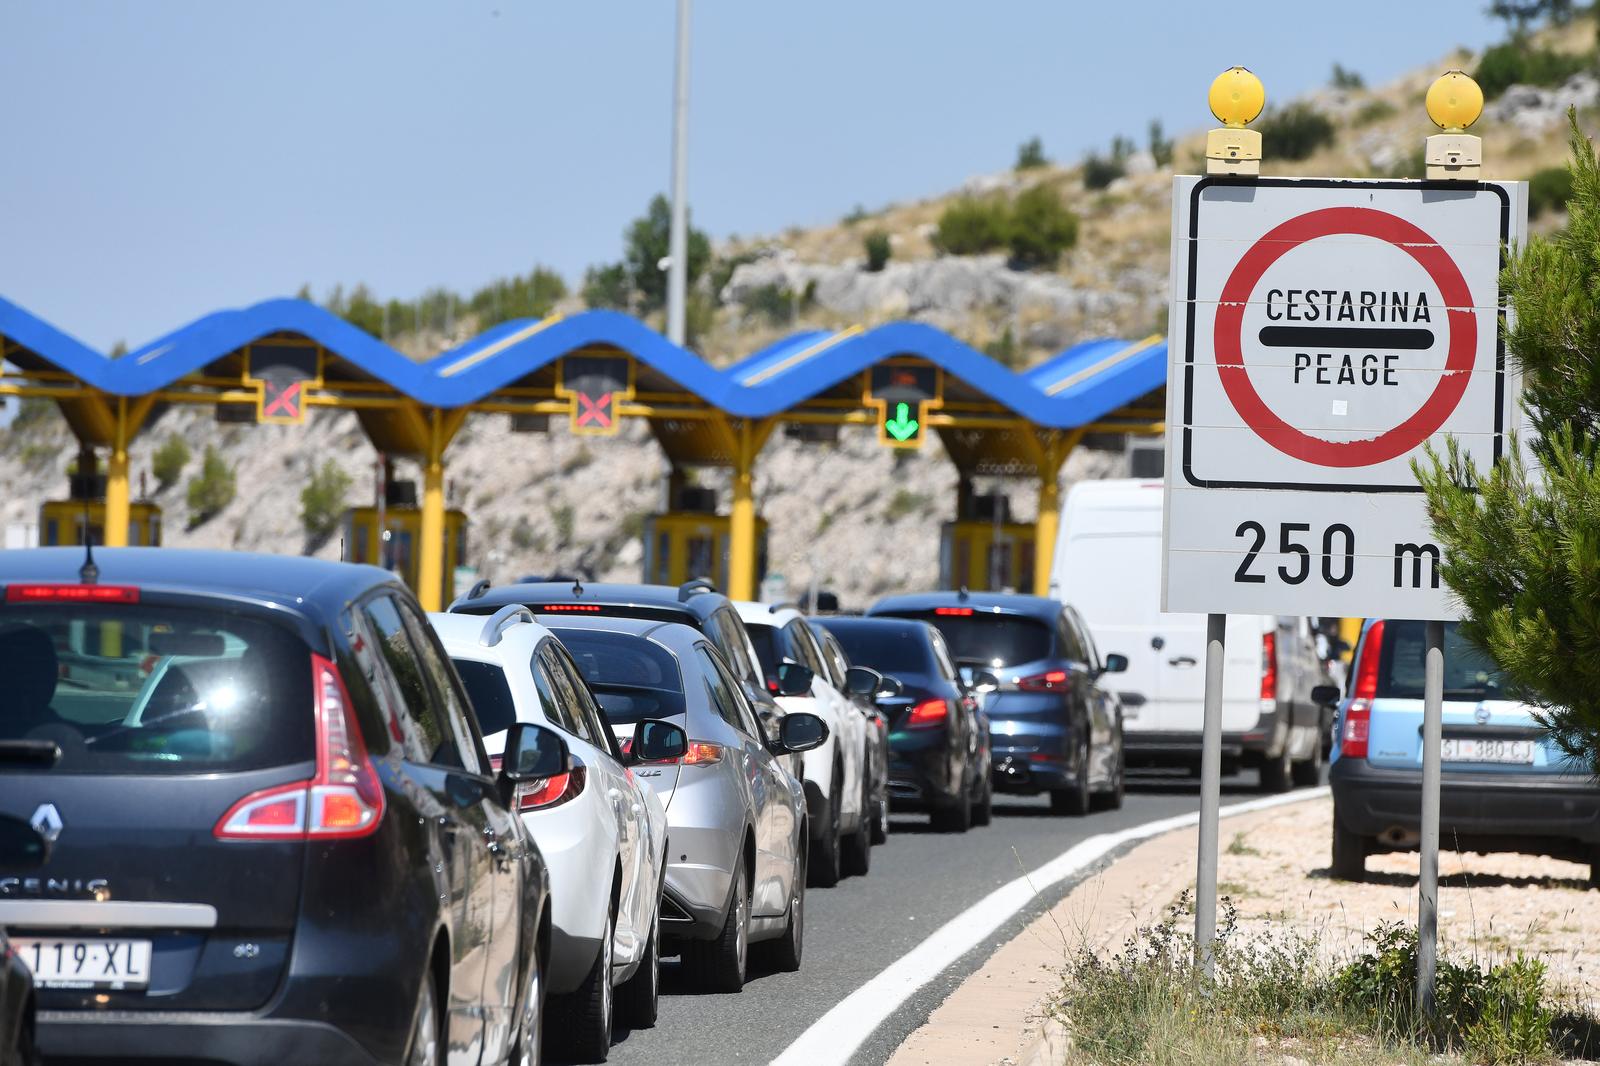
1326	334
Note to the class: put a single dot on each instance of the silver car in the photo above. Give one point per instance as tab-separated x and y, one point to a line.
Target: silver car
736	816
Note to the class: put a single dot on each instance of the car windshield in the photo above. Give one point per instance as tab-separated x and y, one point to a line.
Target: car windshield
489	694
1468	673
141	689
632	677
889	649
989	639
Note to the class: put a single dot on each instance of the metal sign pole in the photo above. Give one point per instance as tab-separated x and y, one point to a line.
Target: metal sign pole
1205	891
1428	875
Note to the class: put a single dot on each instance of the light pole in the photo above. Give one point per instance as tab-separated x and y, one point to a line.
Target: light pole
678	245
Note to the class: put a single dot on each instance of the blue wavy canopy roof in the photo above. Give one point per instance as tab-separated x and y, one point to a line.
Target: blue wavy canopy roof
1077	387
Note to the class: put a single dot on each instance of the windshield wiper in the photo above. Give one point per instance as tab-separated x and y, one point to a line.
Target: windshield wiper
41	753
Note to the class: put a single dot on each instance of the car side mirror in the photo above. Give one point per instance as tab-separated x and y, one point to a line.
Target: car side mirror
657	741
22	847
891	688
984	681
799	732
1325	695
1116	663
862	681
794	679
532	752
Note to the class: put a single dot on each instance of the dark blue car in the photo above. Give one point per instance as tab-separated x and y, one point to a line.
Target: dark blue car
1053	727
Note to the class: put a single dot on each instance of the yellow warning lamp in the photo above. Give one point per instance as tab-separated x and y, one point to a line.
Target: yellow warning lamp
1454	102
1236	98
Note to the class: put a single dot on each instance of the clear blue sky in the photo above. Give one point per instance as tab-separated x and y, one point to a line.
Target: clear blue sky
163	159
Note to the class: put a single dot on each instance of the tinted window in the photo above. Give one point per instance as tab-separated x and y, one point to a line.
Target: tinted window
436	664
722	691
991	639
732	641
565	695
586	709
557	712
889	649
431	741
803	649
1468	673
632	678
138	689
765	638
837	667
490	696
1084	638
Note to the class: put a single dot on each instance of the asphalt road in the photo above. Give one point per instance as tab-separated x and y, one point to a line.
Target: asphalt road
919	881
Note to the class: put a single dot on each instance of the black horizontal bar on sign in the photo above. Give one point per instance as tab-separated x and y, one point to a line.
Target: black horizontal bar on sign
1410	340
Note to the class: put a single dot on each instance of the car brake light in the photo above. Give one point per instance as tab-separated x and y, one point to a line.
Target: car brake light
570	608
71	594
1049	681
343	800
1366	687
1356	722
552	791
959	612
1269	671
772	685
928	713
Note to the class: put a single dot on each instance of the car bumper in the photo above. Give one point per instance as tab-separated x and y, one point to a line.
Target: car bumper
244	1039
574	841
697	885
1477	811
1182	747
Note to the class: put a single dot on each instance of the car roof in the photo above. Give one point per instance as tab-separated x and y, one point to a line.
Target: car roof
988	602
844	623
697	599
480	638
675	636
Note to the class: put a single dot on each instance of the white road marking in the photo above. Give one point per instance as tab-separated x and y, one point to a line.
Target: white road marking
837	1035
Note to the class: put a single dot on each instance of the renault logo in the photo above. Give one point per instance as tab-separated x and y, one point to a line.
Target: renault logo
46	821
1482	715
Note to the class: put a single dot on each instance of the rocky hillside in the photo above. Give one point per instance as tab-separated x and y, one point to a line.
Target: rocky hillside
553	502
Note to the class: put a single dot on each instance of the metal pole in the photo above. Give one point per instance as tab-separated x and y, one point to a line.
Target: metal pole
1428	875
678	247
1205	891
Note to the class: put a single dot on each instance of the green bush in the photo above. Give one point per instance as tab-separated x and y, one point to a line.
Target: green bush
322	500
972	226
1295	132
1100	171
211	490
1160	144
1519	62
904	502
1346	79
608	287
168	461
878	250
1041	227
1003	349
1372	111
774	302
1549	190
1030	154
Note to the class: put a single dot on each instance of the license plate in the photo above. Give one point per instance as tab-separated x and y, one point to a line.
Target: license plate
75	963
1472	749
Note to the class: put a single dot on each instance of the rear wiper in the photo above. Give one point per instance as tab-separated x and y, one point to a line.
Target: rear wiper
41	753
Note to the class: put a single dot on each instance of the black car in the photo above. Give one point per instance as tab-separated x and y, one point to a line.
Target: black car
1058	731
938	734
275	834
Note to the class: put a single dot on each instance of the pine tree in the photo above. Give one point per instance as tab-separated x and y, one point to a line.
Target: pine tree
1522	540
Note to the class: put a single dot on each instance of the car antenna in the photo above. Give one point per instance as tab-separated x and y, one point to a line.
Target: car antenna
88	573
962	594
577	586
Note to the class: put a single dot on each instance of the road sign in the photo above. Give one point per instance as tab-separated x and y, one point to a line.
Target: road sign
1324	334
284	375
596	385
902	392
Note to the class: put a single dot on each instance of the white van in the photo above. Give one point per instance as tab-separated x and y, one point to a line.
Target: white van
1108	565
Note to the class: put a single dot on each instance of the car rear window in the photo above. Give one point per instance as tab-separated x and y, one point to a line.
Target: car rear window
490	696
146	689
889	649
990	639
1468	673
632	677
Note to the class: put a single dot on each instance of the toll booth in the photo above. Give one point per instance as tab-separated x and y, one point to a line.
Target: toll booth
983	549
83	513
679	545
363	543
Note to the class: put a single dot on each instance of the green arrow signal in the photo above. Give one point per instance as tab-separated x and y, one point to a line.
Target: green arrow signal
902	426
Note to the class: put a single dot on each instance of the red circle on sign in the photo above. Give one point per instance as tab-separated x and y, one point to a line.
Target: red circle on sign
1366	222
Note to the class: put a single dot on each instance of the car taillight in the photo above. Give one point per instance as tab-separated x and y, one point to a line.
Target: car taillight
1049	681
570	608
71	594
701	753
343	800
1353	737
955	612
552	791
1366	687
928	713
1269	671
1356	722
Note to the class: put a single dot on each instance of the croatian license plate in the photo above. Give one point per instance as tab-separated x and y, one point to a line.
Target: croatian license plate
1472	749
76	963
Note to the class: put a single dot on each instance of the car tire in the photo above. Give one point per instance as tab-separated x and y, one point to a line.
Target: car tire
857	850
426	1046
825	864
955	818
1350	852
1308	772
719	965
1111	799
526	1050
586	1014
638	1000
1277	774
1074	801
1594	866
785	952
983	809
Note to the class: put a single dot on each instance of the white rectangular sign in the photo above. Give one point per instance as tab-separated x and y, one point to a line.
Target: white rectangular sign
1323	333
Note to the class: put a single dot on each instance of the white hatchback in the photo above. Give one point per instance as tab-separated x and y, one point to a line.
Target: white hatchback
603	833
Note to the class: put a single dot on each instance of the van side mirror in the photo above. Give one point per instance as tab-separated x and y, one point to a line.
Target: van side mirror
657	741
862	681
794	679
1325	695
1116	663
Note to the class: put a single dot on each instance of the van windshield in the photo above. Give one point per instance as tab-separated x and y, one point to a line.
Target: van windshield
141	689
1469	674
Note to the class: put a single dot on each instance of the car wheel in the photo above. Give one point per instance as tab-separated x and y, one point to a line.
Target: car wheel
1074	801
584	1034
858	845
1111	799
1277	774
526	1050
1349	852
719	965
983	809
825	859
786	951
638	1000
1308	773
427	1045
1594	866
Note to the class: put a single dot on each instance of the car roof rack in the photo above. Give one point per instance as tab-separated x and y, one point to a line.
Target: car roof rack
478	588
695	585
782	605
510	614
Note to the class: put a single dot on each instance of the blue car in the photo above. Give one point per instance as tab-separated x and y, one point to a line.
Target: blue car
1505	787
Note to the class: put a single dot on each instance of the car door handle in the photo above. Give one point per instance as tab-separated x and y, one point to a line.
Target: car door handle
1183	661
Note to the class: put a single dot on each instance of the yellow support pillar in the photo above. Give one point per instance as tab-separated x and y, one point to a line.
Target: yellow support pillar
124	423
1047	525
430	540
748	439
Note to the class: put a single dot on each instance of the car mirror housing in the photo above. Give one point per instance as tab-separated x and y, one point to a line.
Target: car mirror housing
1325	695
532	752
984	681
657	741
794	679
891	688
801	732
863	681
1116	663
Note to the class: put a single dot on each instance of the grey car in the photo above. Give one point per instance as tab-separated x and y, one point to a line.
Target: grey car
736	816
